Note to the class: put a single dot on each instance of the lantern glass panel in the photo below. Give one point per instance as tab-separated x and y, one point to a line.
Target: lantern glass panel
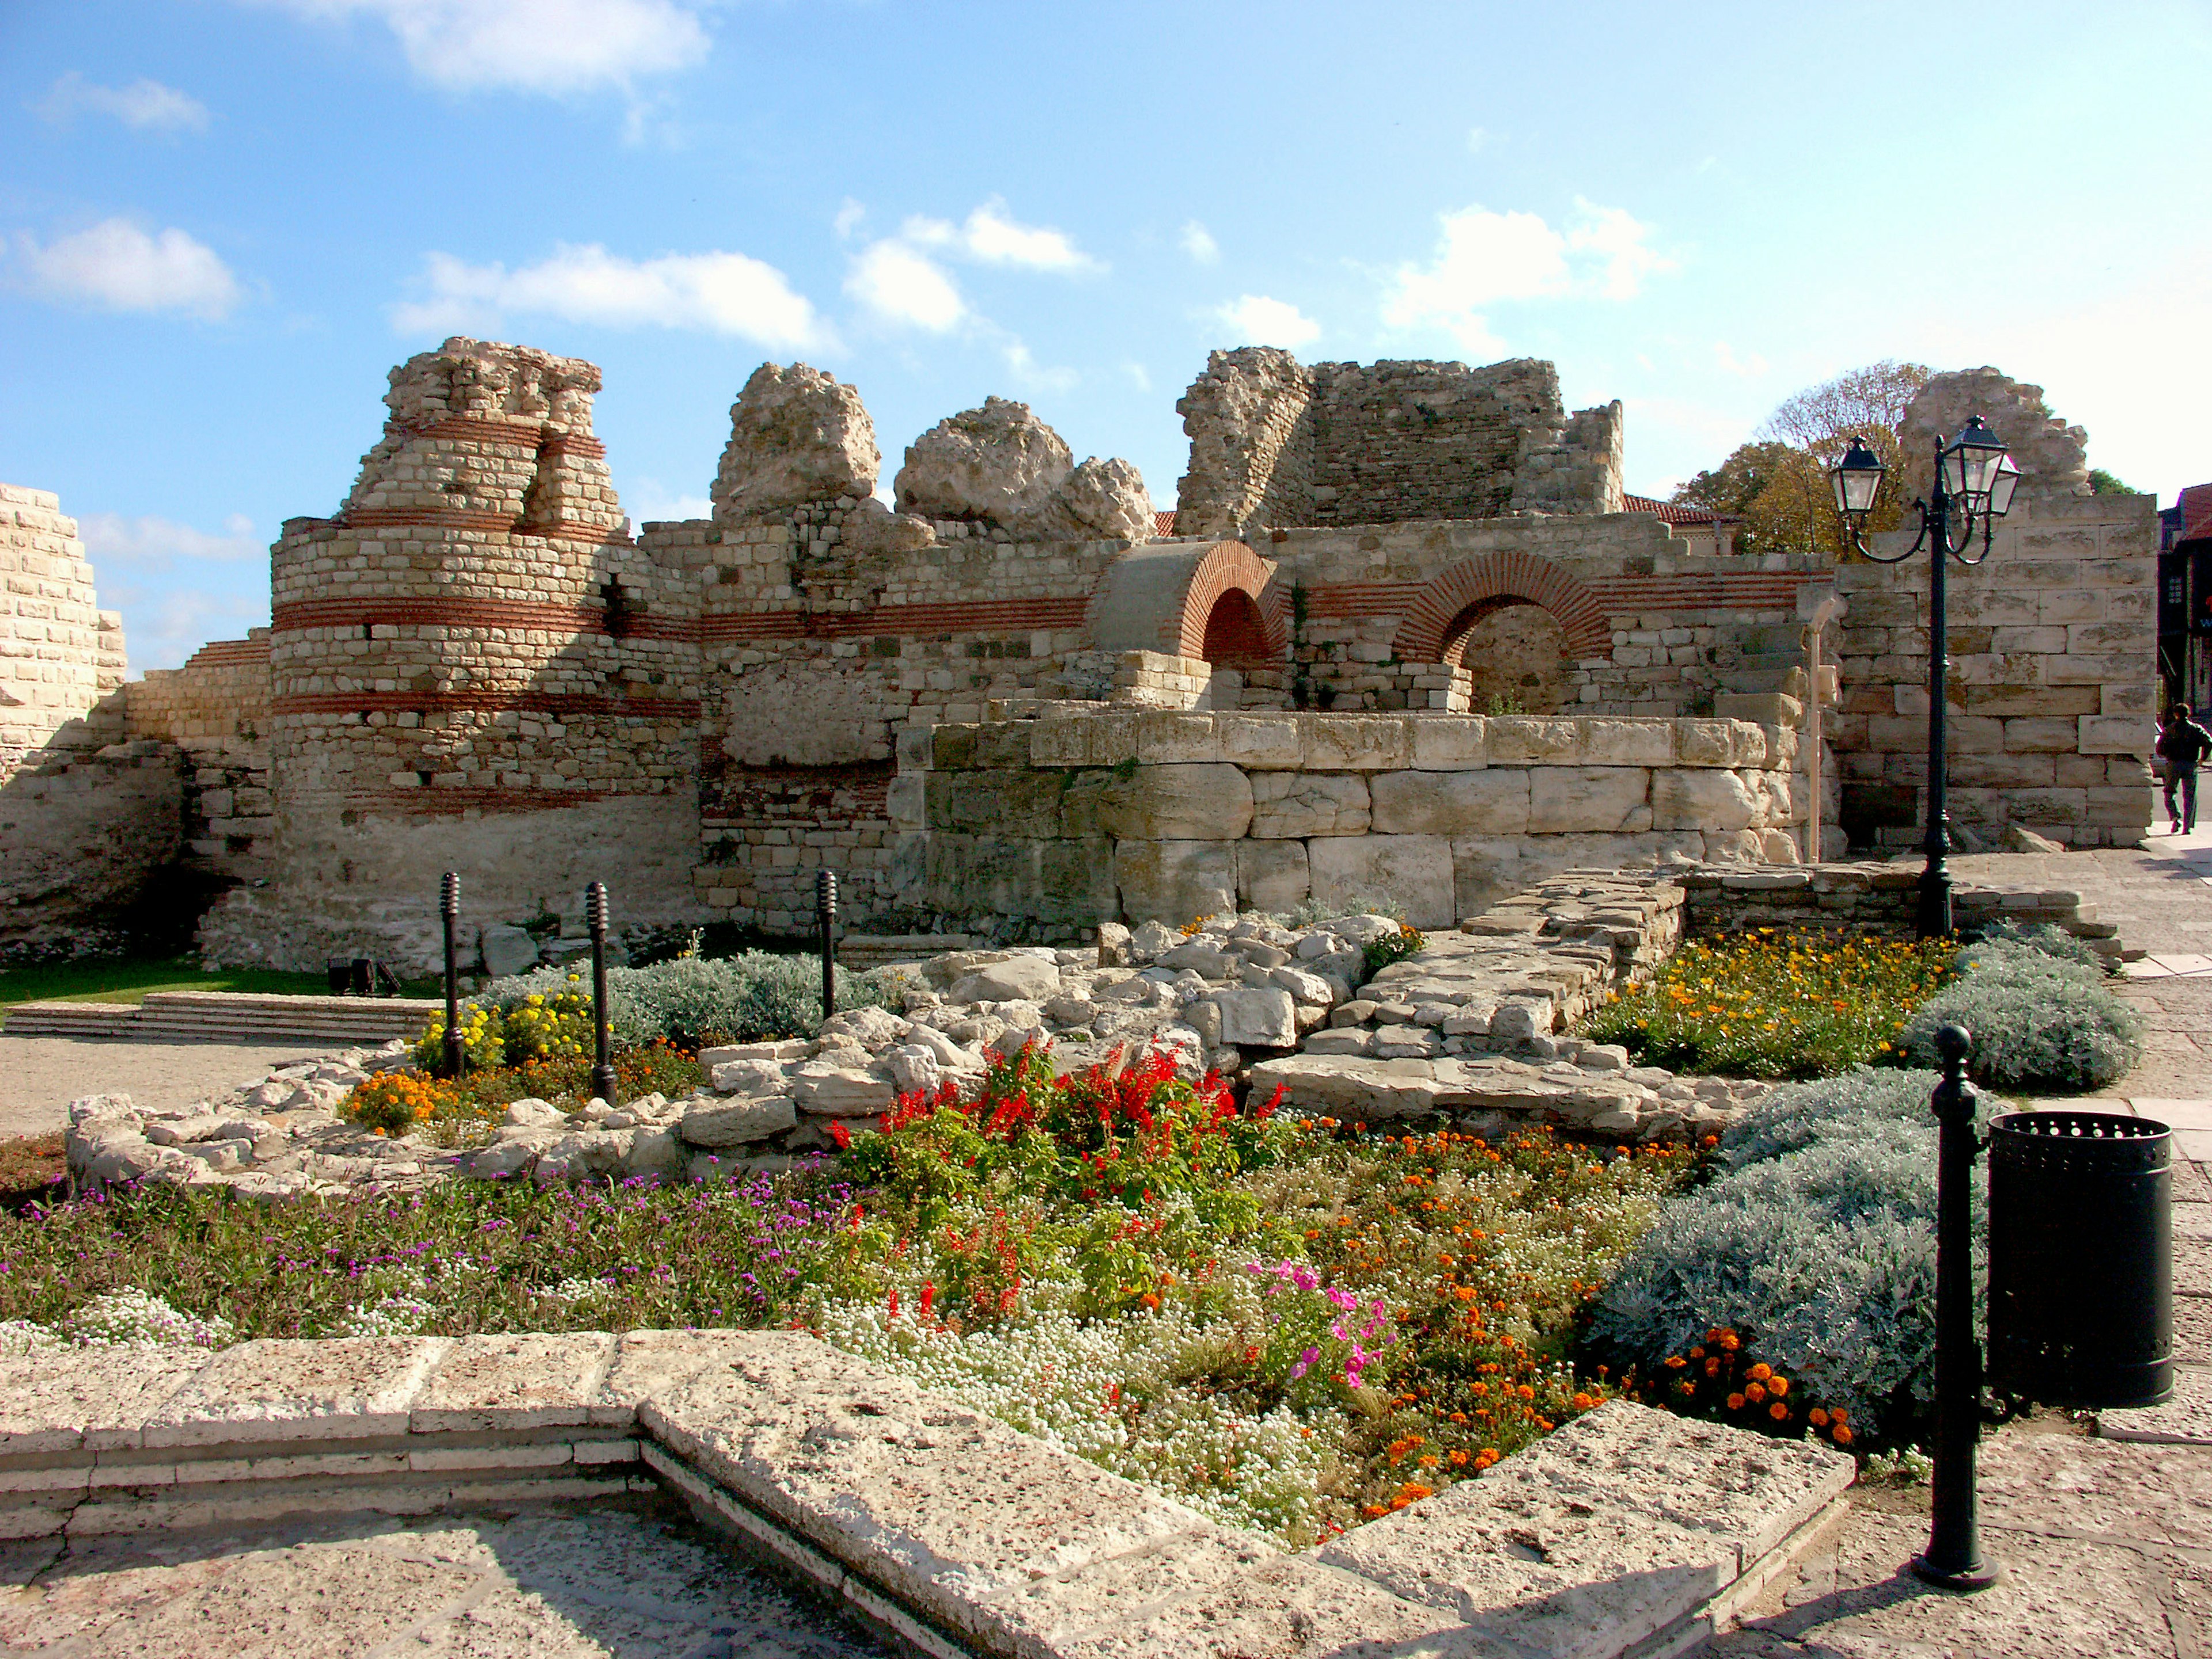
2002	482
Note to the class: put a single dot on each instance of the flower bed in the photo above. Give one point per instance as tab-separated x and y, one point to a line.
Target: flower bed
1288	1324
1775	1003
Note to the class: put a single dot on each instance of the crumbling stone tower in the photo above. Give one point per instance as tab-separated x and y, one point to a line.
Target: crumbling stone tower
473	667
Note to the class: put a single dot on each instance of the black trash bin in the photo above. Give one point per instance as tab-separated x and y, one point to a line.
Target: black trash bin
2081	1259
340	970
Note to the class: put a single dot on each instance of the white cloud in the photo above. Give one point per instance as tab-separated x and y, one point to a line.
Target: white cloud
144	106
1256	319
902	286
1748	367
990	236
649	500
1485	259
1198	242
1139	376
1476	140
531	45
118	266
150	543
719	293
163	624
848	218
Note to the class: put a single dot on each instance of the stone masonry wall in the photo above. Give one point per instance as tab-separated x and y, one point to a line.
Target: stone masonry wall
1057	823
60	654
1279	444
216	710
2052	681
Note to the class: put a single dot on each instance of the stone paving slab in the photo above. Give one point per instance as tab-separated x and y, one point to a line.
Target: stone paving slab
351	1386
99	1399
2185	1419
525	1381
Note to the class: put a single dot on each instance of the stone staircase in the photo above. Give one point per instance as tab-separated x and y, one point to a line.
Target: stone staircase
229	1017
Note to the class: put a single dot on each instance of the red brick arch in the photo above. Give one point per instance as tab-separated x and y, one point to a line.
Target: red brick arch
1505	576
1230	567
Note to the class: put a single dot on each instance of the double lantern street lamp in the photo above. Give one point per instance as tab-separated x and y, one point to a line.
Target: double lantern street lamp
1974	481
2081	1303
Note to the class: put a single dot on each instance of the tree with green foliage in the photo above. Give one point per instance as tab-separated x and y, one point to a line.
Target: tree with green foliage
2102	482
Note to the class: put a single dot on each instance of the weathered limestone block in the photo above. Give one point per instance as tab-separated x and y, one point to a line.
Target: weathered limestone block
1628	743
2052	456
1528	740
1176	737
1490	802
1291	805
1450	742
1175	880
506	950
1271	875
871	527
1568	799
1257	1019
796	436
830	1091
1259	742
714	1122
1016	977
1720	800
1413	871
1007	802
1197	802
1357	743
998	463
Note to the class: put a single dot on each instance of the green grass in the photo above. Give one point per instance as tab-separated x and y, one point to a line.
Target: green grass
128	979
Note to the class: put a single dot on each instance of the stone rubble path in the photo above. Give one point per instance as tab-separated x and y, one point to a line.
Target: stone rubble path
633	1582
2104	1538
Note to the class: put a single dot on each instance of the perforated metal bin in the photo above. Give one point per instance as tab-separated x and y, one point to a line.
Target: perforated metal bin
2081	1259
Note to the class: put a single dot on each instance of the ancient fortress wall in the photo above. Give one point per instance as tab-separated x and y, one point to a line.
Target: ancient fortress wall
1003	703
1062	822
60	654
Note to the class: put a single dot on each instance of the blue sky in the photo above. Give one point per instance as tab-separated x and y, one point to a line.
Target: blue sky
223	221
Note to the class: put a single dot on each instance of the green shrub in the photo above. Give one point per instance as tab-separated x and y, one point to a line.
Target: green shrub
2050	940
1407	941
752	997
1816	1244
2040	1022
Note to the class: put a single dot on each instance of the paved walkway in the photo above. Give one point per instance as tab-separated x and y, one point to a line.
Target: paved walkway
2106	1543
39	1076
612	1583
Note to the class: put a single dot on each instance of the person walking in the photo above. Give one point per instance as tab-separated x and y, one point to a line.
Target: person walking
2182	744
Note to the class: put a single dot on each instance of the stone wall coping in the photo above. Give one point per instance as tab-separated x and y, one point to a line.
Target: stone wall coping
945	1530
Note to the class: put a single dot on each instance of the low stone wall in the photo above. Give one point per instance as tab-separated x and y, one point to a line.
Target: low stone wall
946	1531
1054	824
1872	898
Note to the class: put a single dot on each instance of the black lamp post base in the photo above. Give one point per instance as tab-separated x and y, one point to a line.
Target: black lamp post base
1979	1576
603	1082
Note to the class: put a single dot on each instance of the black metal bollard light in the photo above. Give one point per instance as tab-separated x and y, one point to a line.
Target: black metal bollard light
603	1065
825	911
1953	1558
449	908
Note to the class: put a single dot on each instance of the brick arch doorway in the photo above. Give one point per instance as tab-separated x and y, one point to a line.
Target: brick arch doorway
1235	633
1509	654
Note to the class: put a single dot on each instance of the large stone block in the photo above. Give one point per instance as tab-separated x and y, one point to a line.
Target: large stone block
1173	881
1357	743
1296	804
1628	743
1565	799
2113	734
1413	871
1271	875
1075	880
1686	799
1255	741
1201	801
1523	740
1258	1019
1494	801
1005	803
1445	743
1172	737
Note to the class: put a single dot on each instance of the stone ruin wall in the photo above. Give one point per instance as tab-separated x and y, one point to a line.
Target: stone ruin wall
1278	443
86	815
1057	823
2052	687
451	680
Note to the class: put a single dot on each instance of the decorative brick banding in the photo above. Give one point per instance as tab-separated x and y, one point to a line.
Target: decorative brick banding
1233	566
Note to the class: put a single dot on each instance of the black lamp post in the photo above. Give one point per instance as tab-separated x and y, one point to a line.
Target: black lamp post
603	1065
449	910
1974	480
825	911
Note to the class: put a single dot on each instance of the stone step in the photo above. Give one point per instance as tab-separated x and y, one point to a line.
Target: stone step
229	1017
